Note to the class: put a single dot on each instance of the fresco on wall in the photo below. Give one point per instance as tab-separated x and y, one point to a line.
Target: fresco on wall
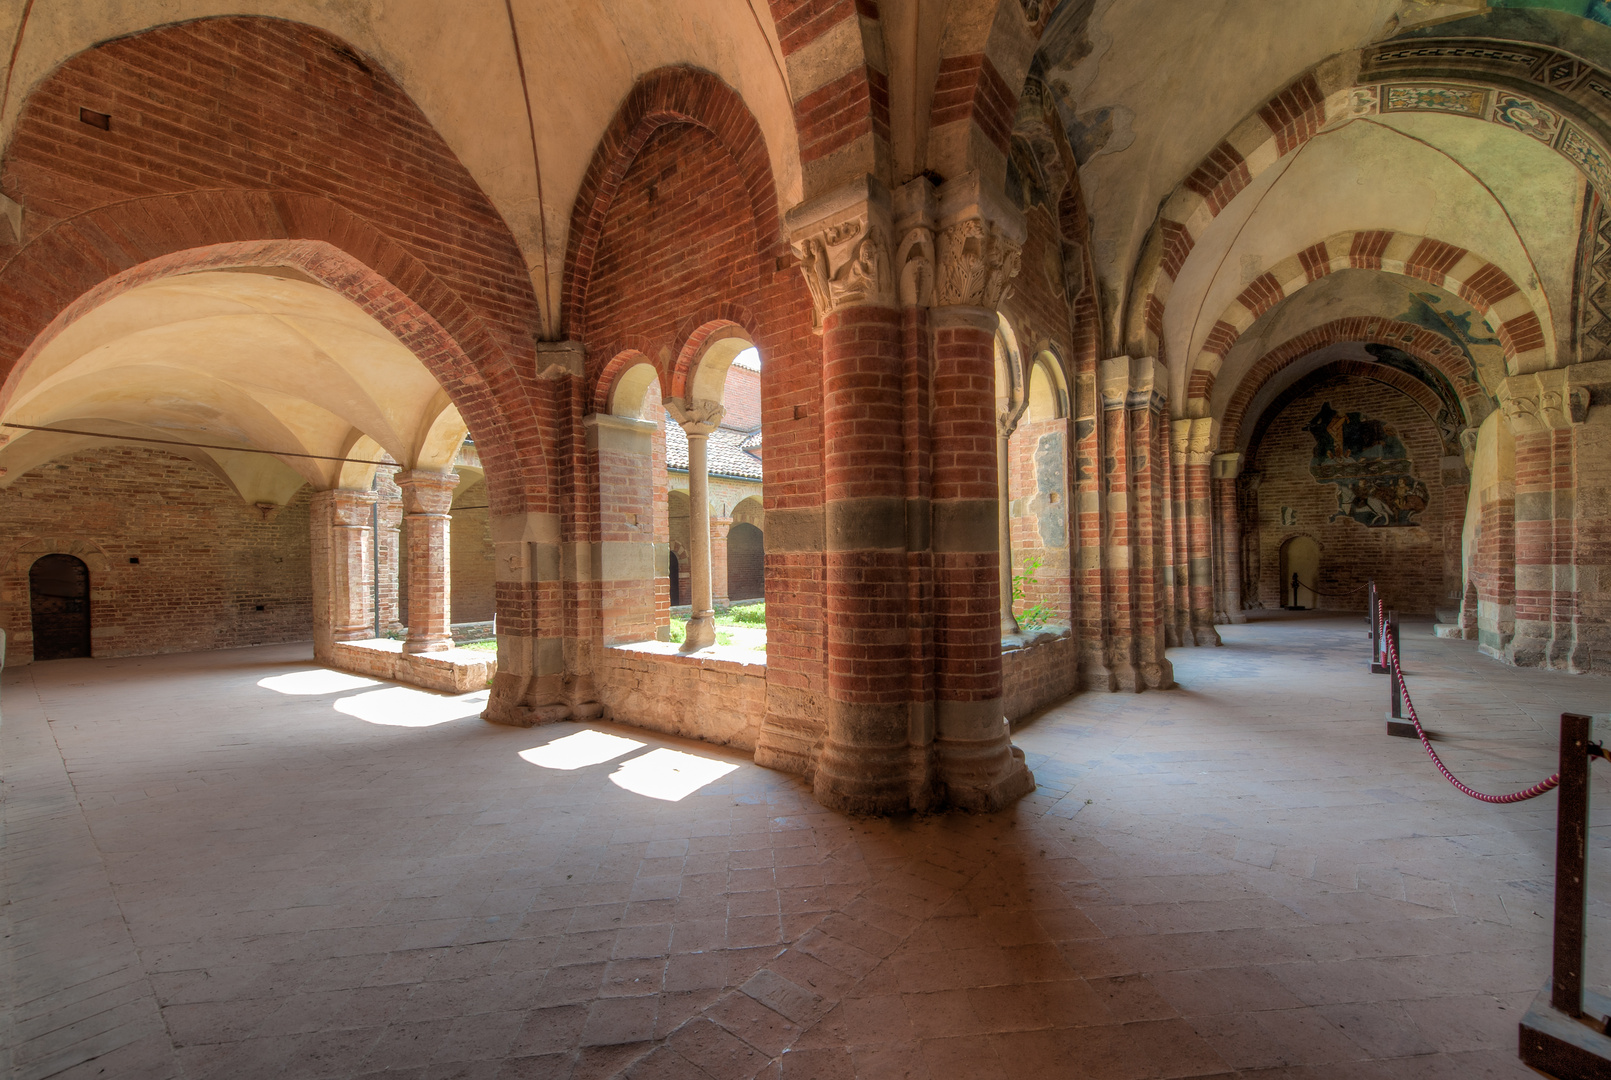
1593	10
1370	466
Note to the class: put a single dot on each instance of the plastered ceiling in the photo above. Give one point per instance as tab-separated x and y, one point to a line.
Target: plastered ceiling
264	360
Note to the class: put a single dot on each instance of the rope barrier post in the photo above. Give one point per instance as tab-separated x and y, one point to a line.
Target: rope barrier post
1378	650
1564	1033
1571	856
1396	724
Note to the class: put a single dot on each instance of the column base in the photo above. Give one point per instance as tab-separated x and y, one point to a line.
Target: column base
434	643
977	766
700	632
1205	636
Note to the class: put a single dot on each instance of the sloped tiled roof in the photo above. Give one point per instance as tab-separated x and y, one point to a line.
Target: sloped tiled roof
726	453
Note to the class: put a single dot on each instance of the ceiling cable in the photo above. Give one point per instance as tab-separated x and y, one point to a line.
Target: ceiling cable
195	445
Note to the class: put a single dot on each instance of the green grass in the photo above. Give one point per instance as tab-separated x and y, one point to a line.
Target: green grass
490	645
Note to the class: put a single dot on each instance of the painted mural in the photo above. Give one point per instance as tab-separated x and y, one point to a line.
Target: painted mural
1593	10
1370	466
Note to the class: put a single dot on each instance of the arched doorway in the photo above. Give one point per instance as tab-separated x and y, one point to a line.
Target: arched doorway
1300	556
746	562
58	591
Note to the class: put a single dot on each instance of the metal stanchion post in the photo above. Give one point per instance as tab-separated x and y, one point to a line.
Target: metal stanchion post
1564	1033
1378	649
1396	724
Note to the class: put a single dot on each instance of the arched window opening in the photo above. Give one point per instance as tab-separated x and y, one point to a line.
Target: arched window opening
1032	404
59	599
728	425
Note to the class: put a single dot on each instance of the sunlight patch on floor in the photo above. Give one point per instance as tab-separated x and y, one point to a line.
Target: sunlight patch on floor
403	706
580	750
315	681
670	775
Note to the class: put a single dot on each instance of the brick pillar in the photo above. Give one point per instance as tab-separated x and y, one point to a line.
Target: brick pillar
1199	558
978	256
1228	539
719	528
1132	552
426	499
622	451
340	539
1177	630
1540	408
867	760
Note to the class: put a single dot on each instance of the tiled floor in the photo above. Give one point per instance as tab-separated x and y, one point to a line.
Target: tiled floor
233	865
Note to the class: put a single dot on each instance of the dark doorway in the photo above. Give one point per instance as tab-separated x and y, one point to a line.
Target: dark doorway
676	582
746	563
58	589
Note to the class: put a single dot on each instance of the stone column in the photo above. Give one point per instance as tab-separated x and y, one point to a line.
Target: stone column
1228	544
342	570
1006	424
869	761
1178	572
698	417
978	250
427	497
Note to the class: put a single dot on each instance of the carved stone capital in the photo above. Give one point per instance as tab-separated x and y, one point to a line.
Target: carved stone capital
426	492
842	240
698	416
981	237
1542	401
1227	466
1130	382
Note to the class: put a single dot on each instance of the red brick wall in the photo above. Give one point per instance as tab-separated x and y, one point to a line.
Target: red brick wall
741	395
249	129
1407	563
207	560
474	560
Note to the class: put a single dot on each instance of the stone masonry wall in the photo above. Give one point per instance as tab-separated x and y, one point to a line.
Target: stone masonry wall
213	573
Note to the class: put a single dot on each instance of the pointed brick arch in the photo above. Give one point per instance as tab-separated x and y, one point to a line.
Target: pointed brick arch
1432	349
1476	280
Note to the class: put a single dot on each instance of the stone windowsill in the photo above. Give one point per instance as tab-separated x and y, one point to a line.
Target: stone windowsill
1028	639
711	654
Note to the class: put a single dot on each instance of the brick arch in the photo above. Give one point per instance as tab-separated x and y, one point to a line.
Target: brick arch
842	98
618	365
669	95
1323	96
1431	349
981	77
1476	280
693	350
1412	388
414	241
30	549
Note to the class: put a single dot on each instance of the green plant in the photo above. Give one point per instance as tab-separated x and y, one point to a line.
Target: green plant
1035	615
679	631
747	615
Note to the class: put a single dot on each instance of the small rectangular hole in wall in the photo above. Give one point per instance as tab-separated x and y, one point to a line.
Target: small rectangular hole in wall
95	119
799	412
134	560
260	607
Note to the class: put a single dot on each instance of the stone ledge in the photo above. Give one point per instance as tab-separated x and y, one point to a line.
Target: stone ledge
454	671
1028	639
716	656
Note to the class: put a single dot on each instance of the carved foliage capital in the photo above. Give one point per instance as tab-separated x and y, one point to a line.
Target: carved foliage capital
698	416
426	492
1543	401
977	262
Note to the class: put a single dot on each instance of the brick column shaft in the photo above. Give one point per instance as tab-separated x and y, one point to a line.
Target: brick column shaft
427	497
342	570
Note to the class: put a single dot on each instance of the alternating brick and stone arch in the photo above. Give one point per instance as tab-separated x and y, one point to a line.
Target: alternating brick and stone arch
1431	348
1476	279
1331	93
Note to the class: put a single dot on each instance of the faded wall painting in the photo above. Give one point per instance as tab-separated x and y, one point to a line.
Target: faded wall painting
1372	470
